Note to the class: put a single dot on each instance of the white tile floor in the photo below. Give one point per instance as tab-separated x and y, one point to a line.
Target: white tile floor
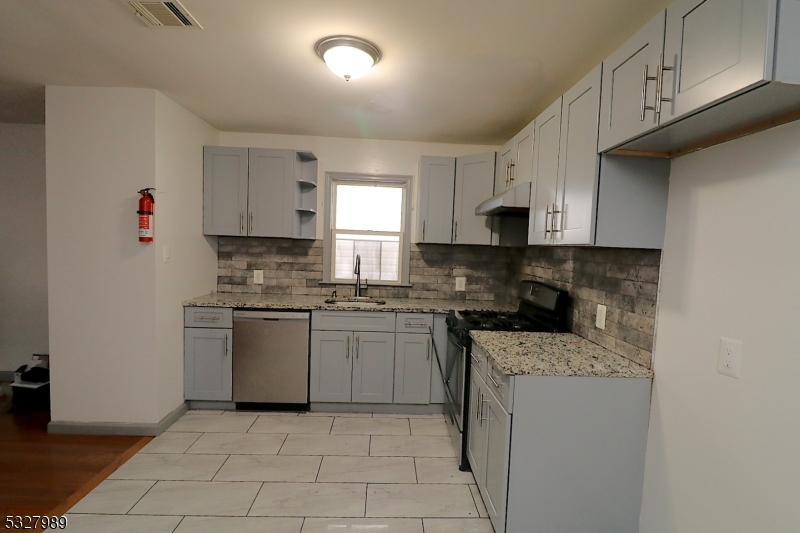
215	471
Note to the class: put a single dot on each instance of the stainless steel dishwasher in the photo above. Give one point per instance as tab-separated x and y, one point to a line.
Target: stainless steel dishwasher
270	357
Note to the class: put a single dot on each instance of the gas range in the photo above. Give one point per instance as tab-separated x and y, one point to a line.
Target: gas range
542	308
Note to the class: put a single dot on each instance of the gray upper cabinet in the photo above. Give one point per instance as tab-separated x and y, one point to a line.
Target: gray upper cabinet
580	198
515	161
225	176
259	192
270	193
474	184
629	86
208	368
373	367
502	171
545	174
579	164
331	366
412	368
437	177
715	48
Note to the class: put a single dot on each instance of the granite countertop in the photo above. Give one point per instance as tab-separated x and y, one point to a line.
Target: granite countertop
554	354
402	305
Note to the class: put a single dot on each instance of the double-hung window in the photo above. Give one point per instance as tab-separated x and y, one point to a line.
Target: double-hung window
368	218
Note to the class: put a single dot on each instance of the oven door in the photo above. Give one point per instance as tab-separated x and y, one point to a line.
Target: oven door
455	376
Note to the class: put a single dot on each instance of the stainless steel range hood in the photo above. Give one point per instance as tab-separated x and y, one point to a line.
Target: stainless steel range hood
515	201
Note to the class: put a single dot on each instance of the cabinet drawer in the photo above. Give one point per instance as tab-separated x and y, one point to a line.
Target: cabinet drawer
501	385
352	321
479	360
414	323
208	317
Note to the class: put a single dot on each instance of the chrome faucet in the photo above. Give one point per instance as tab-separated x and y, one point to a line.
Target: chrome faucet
357	272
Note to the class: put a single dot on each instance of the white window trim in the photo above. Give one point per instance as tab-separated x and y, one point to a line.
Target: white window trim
405	240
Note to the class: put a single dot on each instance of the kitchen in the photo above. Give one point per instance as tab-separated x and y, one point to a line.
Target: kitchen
711	250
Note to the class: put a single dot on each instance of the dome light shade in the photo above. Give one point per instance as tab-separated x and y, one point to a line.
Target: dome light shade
348	57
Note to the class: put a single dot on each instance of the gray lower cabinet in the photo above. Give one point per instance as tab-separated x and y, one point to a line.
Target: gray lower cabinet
349	366
412	368
208	368
569	458
331	368
373	367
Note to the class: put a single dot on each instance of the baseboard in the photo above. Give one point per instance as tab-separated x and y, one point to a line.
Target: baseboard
6	375
211	406
380	408
116	428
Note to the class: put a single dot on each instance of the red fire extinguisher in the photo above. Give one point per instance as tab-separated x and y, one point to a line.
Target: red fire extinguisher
146	207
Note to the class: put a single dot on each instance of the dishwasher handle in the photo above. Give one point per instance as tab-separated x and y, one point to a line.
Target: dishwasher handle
269	315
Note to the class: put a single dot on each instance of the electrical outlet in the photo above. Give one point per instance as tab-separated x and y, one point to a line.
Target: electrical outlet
461	283
729	361
258	277
167	253
600	320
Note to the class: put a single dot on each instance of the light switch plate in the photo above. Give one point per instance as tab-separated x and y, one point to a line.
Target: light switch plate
167	253
729	361
461	283
258	277
600	320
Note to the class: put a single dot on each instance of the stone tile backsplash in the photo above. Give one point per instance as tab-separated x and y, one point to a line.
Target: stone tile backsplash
625	280
295	267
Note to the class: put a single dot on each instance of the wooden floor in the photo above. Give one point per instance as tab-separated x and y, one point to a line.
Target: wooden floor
43	474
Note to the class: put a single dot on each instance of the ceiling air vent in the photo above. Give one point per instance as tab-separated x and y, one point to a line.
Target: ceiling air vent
164	14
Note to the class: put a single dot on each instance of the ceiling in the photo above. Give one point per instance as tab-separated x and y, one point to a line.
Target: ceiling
459	71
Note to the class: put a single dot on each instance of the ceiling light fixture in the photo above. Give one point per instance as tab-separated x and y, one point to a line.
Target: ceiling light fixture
348	57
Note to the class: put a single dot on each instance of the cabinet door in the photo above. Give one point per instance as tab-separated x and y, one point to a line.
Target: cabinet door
474	174
439	347
579	163
545	174
224	190
522	171
437	177
502	171
624	89
498	450
717	48
412	368
271	193
476	436
208	368
373	367
331	366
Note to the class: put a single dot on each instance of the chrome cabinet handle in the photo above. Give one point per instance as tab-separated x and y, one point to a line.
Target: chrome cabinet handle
241	223
478	405
483	402
423	230
413	325
511	167
547	215
250	226
645	78
660	85
347	353
561	212
455	238
428	354
477	360
226	345
358	342
206	319
489	375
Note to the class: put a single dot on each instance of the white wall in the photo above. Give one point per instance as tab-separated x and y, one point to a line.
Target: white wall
192	269
723	453
101	280
23	245
360	156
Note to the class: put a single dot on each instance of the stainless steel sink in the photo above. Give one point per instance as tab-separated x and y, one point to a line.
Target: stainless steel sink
355	300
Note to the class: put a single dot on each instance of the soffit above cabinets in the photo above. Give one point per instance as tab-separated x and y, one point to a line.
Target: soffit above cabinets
451	71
